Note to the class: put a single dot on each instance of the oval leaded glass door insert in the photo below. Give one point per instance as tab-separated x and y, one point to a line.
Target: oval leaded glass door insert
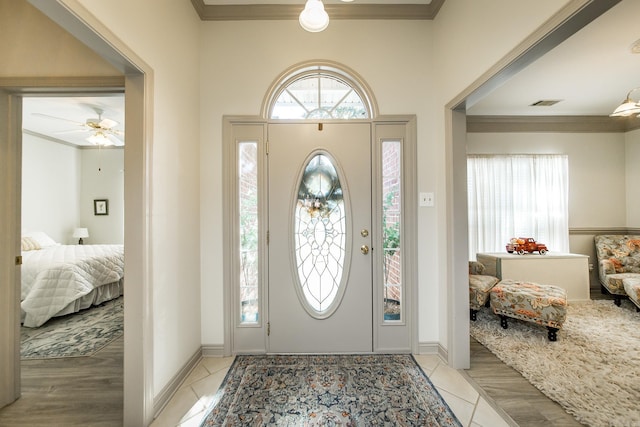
320	236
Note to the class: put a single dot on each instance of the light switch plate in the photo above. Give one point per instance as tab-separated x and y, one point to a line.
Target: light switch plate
427	199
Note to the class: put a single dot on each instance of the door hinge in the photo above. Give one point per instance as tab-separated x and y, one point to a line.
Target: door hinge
19	260
268	328
267	148
267	237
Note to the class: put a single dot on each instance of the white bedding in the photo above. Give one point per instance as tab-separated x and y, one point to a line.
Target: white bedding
55	276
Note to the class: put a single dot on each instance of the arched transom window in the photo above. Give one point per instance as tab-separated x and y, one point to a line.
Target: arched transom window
319	93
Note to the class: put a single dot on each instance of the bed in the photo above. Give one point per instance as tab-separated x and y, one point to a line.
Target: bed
63	279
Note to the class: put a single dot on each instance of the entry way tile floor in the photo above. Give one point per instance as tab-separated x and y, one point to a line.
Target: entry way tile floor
188	407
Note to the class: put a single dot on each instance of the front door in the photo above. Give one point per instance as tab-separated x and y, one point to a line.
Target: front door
320	263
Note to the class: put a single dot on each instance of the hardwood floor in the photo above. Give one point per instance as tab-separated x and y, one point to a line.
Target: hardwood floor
76	391
524	403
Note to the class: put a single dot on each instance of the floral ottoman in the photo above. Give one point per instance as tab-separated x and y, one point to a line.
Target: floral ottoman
632	288
545	305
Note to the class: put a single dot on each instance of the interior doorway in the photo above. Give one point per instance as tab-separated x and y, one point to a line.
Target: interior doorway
14	208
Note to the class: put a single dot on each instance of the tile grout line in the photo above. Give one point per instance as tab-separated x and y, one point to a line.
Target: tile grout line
490	401
475	408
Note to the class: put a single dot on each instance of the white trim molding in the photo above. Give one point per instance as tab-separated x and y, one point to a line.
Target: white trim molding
240	12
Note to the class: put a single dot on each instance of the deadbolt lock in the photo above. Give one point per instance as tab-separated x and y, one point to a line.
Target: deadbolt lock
364	232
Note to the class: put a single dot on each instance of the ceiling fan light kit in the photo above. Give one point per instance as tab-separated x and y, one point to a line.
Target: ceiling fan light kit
100	138
313	17
629	107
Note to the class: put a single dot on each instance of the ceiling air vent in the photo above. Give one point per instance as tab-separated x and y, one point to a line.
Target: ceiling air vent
545	103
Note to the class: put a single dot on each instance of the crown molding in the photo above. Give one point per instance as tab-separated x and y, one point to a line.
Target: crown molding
250	12
101	84
491	124
69	144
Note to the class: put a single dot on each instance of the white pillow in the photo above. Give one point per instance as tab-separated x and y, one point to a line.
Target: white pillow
29	244
41	238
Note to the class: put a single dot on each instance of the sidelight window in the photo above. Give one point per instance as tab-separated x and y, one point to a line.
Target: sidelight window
391	229
248	209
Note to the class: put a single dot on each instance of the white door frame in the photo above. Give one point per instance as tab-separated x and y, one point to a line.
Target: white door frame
387	337
10	202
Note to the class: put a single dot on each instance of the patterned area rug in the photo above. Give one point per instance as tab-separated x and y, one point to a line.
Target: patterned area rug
74	335
328	390
592	370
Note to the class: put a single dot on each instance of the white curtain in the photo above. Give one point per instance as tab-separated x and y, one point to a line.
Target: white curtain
517	196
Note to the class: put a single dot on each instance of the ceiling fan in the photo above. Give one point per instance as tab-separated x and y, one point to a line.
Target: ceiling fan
102	130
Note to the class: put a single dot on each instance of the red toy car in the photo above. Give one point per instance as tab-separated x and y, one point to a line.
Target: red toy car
525	244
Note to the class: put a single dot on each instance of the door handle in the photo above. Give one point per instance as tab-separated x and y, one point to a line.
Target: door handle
364	249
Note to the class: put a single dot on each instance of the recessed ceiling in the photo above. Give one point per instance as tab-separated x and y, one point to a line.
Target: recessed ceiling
64	118
590	73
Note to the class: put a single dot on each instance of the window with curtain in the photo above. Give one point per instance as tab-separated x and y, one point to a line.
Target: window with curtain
517	196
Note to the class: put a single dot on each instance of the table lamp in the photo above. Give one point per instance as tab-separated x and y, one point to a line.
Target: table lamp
81	233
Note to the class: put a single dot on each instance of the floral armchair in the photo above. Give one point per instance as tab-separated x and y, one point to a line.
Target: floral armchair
479	287
618	260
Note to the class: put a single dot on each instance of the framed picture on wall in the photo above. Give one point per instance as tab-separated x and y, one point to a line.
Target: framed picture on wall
101	207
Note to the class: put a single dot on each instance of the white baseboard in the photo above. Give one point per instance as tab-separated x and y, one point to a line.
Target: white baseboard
433	348
213	350
161	400
165	395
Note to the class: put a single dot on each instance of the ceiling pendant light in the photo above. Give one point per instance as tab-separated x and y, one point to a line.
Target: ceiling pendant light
314	18
629	107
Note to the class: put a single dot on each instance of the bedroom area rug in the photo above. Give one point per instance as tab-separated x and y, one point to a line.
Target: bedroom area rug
328	390
74	335
592	370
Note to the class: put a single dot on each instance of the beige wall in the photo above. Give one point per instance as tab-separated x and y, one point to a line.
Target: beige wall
602	170
632	169
596	169
51	179
102	178
33	46
165	35
59	184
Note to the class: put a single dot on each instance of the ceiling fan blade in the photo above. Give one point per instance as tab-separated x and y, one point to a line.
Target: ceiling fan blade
107	123
57	118
116	132
72	131
116	141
